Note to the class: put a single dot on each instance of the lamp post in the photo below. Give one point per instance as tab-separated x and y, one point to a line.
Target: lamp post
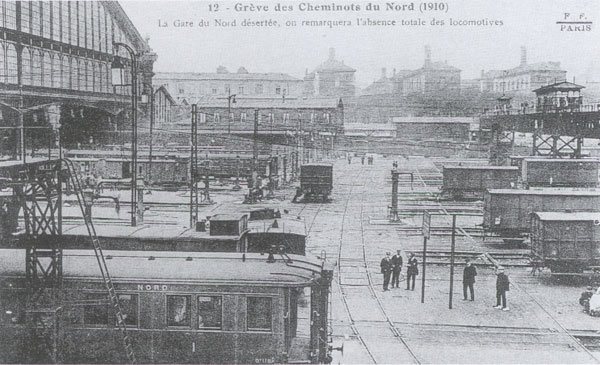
146	99
230	99
118	79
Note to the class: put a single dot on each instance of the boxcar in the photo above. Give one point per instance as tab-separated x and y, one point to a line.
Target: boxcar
178	307
566	242
560	172
472	181
507	211
316	180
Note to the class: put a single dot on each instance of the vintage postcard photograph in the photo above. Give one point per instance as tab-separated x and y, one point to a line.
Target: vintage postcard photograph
299	182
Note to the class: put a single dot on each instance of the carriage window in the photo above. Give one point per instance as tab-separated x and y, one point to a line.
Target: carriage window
96	310
129	308
259	313
178	310
209	312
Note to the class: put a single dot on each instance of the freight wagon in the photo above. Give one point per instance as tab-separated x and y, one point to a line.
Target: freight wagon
213	308
463	182
316	181
507	211
566	242
560	172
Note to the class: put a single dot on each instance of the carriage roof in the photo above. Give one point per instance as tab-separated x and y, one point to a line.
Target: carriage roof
201	268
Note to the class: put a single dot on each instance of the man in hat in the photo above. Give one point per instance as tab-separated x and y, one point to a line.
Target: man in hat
412	271
386	270
396	268
469	279
502	286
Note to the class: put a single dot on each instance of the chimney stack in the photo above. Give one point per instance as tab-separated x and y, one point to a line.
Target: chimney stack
383	73
427	55
523	56
332	53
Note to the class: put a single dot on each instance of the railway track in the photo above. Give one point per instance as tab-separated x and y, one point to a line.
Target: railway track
363	262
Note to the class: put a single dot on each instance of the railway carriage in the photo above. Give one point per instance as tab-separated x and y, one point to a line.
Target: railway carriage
179	308
316	181
470	182
566	242
507	211
560	172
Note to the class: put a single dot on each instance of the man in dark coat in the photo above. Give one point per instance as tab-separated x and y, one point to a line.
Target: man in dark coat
502	286
469	279
412	271
386	270
585	297
396	268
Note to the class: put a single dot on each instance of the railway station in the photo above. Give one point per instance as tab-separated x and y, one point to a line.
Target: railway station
259	217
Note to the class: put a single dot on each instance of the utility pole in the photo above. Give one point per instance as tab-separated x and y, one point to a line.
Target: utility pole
452	245
151	130
193	168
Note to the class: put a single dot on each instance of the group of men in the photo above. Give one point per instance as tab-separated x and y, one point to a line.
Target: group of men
590	300
391	266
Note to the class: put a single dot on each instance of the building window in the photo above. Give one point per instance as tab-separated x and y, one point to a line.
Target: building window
259	88
217	118
36	67
66	26
243	117
56	6
312	117
36	21
66	73
270	118
259	313
202	119
286	118
241	90
2	65
228	88
26	67
46	19
96	313
178	311
327	117
210	310
278	90
11	64
25	16
48	74
214	90
10	14
129	309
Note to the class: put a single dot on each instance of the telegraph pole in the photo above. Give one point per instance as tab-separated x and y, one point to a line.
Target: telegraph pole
452	245
193	168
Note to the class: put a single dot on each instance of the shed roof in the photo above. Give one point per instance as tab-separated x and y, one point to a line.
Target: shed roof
568	216
476	167
563	192
559	86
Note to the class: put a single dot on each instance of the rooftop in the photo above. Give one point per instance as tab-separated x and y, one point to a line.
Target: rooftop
559	86
568	216
567	192
514	168
206	267
160	77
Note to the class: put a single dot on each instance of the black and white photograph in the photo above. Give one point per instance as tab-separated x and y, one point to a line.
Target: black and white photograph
300	182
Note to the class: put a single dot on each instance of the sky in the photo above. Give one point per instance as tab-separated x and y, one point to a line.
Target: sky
294	49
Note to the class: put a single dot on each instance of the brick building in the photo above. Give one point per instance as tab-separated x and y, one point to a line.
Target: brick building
190	85
331	78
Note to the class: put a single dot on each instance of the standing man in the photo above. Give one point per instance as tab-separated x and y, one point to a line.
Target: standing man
502	286
469	275
412	271
396	268
386	270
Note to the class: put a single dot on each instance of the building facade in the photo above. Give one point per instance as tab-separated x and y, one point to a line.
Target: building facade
523	78
433	78
330	79
191	85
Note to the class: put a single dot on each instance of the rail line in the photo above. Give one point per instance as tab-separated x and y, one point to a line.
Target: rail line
365	264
